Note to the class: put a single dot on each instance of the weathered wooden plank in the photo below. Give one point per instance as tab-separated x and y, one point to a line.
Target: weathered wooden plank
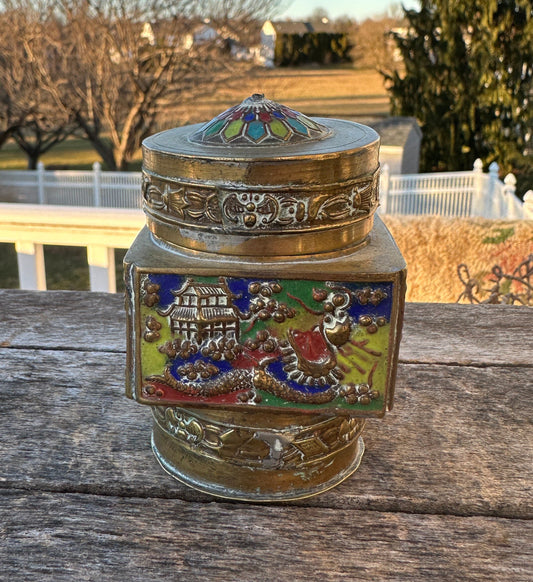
462	334
467	334
62	320
65	537
459	440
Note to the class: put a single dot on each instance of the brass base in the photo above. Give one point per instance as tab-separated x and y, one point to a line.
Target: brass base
289	457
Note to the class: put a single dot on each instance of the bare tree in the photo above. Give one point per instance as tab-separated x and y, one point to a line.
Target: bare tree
28	112
16	102
123	61
41	132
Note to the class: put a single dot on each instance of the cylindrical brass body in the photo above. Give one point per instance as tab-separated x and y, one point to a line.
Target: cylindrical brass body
264	307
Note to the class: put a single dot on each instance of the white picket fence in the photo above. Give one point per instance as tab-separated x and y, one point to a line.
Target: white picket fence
101	211
72	187
470	193
100	230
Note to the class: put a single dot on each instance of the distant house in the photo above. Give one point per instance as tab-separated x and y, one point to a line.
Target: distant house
202	33
203	311
152	31
294	43
147	33
400	144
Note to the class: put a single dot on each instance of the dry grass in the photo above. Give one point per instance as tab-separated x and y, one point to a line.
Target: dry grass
433	247
334	92
340	92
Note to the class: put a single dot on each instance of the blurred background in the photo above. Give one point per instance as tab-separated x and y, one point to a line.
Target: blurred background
446	84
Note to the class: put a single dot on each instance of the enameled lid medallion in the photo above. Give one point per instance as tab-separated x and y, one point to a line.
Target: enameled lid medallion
259	121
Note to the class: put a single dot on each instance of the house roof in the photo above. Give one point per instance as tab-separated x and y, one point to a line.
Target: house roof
394	131
202	314
218	314
183	313
297	27
319	26
204	289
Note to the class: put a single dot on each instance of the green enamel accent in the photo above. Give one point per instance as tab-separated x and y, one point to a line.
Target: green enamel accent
154	361
277	128
233	129
309	122
256	130
296	125
215	127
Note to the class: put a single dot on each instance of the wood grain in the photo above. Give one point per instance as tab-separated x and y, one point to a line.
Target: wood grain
458	441
443	492
89	537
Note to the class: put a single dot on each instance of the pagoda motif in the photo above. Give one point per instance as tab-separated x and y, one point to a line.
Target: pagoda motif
203	311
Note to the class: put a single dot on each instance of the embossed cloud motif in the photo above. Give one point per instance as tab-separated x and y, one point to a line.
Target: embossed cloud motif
259	121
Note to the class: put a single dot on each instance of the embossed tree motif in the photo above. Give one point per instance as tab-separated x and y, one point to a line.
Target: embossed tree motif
371	323
264	306
151	291
198	370
183	349
372	296
152	327
222	348
359	393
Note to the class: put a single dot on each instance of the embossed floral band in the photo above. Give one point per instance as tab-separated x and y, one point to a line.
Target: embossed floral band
293	176
264	304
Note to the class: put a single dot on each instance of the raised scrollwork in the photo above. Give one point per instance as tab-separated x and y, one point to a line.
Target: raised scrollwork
187	203
289	449
258	209
251	209
198	204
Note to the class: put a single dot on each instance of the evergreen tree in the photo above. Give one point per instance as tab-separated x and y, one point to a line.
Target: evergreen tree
468	80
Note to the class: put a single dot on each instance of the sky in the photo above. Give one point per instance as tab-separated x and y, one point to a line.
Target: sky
356	9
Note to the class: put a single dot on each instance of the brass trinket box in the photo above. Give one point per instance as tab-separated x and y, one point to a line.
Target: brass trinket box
264	300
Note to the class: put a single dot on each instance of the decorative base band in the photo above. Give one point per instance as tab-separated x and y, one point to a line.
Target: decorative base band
256	457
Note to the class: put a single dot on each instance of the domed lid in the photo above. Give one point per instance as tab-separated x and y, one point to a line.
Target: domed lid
259	121
262	179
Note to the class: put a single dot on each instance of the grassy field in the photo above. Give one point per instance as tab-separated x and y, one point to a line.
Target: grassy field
72	154
338	92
